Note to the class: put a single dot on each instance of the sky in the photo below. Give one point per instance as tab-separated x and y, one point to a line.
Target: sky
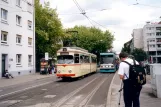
120	17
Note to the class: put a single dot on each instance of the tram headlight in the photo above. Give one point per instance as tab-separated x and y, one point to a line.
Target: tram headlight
59	71
70	71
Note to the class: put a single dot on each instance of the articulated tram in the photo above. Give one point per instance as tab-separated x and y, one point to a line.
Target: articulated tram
75	62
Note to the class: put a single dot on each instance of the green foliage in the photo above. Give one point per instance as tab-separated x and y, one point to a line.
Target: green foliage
90	38
126	49
139	54
48	29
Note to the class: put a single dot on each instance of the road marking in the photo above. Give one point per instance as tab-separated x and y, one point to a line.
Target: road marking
44	89
25	89
23	97
10	101
50	96
64	99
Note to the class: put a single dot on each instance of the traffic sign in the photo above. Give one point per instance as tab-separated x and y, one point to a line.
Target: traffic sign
46	55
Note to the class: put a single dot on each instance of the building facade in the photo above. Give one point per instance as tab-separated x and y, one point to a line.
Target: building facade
152	41
17	47
138	38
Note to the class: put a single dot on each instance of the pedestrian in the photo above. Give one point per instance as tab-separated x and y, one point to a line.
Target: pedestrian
7	74
130	93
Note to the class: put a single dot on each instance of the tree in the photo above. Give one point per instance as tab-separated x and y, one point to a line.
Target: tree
139	54
90	38
48	30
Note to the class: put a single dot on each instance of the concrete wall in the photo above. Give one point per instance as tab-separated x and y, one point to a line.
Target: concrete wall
156	79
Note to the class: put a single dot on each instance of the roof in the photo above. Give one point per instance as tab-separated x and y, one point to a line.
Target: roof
110	53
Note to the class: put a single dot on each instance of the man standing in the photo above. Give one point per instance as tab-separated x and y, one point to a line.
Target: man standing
131	94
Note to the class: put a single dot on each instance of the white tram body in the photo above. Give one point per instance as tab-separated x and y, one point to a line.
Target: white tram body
75	62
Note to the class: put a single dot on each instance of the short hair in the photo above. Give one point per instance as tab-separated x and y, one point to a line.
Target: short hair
123	55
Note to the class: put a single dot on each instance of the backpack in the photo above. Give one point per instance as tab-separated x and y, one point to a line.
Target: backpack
137	75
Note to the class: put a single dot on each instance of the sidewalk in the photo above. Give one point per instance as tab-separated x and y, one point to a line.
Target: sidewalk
147	99
22	79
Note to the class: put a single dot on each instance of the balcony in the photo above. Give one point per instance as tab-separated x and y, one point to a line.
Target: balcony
158	48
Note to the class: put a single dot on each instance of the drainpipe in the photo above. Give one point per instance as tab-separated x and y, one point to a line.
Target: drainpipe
34	55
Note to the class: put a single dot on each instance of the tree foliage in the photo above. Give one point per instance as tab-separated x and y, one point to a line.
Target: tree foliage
90	38
139	54
48	30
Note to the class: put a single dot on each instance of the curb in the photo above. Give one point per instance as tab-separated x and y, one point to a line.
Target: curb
108	104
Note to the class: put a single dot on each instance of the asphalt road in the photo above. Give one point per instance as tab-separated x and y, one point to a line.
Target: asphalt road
90	91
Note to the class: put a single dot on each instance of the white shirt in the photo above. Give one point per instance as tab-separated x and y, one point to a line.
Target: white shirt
124	68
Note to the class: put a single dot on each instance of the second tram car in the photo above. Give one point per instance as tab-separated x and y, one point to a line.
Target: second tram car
107	62
75	62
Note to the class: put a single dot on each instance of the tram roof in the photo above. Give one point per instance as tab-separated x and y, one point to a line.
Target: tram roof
107	53
77	49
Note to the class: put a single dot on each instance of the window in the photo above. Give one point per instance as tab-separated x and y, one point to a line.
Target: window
18	20
158	28
18	59
29	41
18	2
152	40
159	45
5	1
150	34
18	39
4	15
86	59
76	58
158	33
29	7
4	37
29	24
94	59
29	59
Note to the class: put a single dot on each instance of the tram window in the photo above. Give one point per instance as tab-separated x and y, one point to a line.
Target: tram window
94	60
86	59
76	58
81	59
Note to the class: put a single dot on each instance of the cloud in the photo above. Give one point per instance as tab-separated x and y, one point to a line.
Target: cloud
120	17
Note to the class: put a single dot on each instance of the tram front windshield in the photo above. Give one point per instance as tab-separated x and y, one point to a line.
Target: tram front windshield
107	59
65	59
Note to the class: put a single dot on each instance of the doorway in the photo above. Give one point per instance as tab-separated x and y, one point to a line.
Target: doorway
4	61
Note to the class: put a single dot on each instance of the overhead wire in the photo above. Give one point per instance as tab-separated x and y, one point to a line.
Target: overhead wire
84	13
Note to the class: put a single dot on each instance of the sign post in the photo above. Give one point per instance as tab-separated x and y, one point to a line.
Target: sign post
46	55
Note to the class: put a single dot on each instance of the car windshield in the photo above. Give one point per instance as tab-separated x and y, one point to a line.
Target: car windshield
65	59
107	59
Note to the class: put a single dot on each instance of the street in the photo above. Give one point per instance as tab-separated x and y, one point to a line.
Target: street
90	91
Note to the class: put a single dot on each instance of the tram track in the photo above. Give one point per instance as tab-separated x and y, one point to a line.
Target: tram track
67	97
69	100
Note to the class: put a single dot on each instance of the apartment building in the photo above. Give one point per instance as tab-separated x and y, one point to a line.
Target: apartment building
17	45
152	40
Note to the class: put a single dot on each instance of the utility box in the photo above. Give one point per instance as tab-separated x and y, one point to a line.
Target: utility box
155	71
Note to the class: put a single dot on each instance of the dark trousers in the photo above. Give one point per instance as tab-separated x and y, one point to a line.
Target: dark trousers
131	94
